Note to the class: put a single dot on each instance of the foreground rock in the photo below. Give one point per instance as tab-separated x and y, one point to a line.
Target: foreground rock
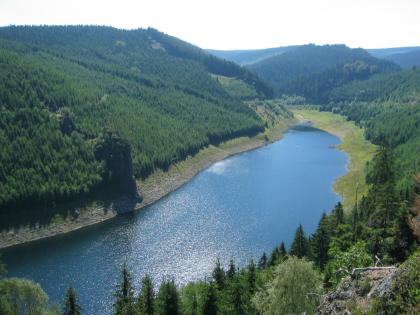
356	292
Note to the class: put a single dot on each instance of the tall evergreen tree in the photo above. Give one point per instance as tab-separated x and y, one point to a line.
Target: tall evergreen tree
338	213
382	194
167	301
146	299
210	301
232	270
262	264
71	307
124	304
282	251
236	297
251	277
300	245
320	242
219	275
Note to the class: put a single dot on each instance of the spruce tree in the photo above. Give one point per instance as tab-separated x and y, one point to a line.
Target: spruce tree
262	264
300	245
219	275
167	301
236	297
124	304
338	214
146	299
273	257
210	301
320	242
71	307
282	251
251	277
232	270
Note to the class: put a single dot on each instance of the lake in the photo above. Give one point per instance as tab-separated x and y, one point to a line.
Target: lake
238	208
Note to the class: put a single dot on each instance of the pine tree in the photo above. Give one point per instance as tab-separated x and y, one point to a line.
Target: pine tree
338	214
300	245
355	223
236	297
282	251
167	301
210	301
232	270
262	264
219	275
251	277
320	242
146	299
71	307
273	257
124	303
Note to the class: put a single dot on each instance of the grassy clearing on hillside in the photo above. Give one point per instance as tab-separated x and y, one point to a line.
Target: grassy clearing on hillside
236	87
353	142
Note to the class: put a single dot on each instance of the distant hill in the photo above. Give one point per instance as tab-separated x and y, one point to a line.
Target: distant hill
406	57
243	57
385	52
312	70
76	100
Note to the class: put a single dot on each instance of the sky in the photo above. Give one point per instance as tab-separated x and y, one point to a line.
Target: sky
238	24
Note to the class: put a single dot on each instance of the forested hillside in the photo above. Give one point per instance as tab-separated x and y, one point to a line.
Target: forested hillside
388	107
76	100
312	71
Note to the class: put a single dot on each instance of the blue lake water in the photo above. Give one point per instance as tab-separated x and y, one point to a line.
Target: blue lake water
238	208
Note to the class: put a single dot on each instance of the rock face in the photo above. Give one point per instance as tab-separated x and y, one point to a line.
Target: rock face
116	153
356	292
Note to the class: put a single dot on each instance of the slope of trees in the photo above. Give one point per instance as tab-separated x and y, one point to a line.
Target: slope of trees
312	71
388	107
63	88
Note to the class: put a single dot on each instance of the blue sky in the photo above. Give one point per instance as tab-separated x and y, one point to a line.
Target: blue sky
238	24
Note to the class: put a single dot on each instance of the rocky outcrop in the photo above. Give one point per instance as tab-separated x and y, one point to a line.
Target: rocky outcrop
356	292
414	218
118	171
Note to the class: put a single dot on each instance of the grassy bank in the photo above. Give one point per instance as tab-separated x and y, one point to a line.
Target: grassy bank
353	143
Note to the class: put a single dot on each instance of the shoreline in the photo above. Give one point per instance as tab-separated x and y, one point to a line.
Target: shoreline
152	189
353	143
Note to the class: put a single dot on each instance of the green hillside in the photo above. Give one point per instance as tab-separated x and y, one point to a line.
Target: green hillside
76	100
388	106
312	70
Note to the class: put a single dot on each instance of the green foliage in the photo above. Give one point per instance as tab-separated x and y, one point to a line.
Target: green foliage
404	297
300	245
343	262
219	275
210	301
124	294
167	300
146	298
320	242
23	297
296	288
71	307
